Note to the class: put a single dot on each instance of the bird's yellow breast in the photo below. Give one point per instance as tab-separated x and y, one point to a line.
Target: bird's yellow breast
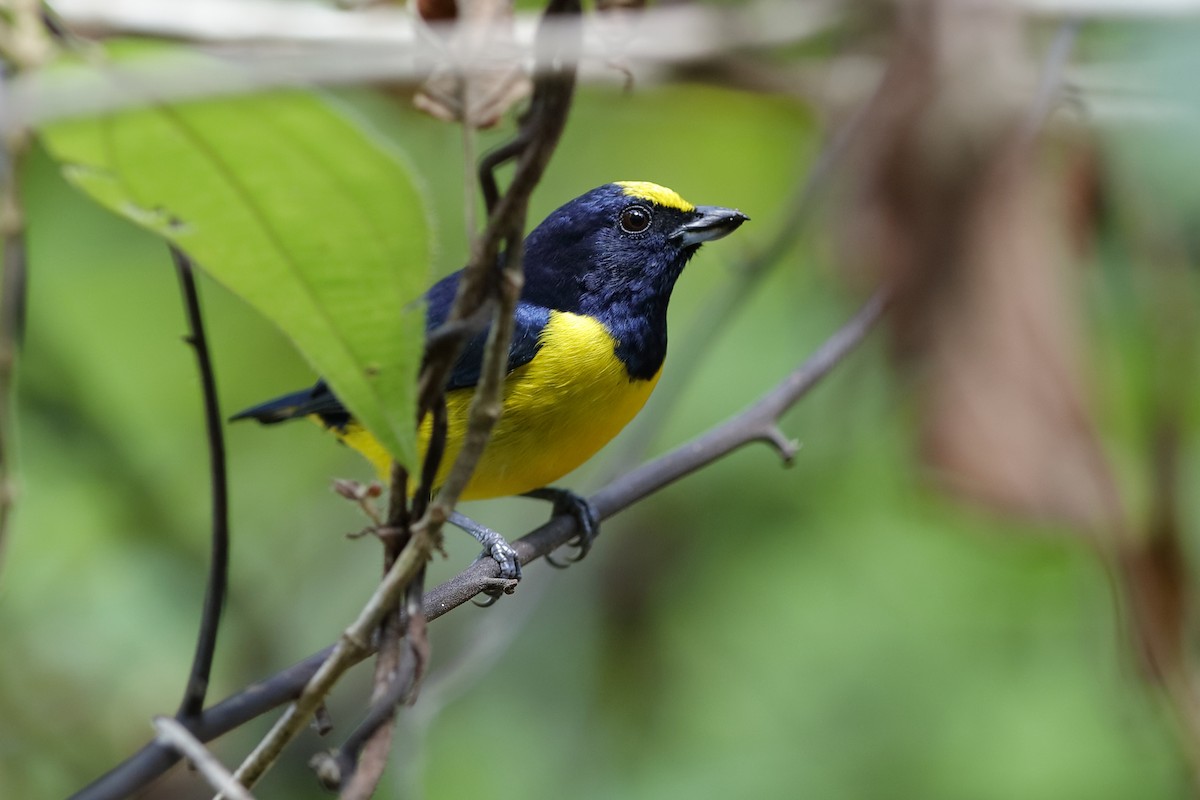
559	409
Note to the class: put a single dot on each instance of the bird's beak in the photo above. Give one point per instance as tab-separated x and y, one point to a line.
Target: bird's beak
707	223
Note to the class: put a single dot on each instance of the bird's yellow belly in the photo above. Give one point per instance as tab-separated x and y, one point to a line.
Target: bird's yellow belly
559	409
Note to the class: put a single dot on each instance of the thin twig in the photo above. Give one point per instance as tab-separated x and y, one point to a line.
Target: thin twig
173	734
218	573
744	428
353	645
487	641
363	762
358	764
539	133
756	423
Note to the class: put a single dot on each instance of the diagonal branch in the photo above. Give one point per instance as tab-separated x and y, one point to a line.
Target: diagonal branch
540	131
753	424
353	646
394	644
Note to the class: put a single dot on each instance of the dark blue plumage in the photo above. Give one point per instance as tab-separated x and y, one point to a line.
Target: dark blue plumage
581	260
612	254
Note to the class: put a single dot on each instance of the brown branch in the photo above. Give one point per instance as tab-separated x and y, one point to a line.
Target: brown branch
366	760
353	646
756	423
358	764
533	145
744	428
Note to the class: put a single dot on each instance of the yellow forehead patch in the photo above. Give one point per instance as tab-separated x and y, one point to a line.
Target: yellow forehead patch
659	195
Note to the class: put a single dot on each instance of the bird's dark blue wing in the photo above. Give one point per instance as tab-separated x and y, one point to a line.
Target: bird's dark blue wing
320	400
529	321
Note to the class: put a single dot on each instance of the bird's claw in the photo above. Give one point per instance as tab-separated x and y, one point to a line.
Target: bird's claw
578	508
505	556
495	547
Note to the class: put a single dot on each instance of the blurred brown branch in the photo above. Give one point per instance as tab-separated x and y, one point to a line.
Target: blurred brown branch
951	207
958	202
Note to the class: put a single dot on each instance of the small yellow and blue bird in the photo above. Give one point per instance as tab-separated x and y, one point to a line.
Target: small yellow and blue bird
587	349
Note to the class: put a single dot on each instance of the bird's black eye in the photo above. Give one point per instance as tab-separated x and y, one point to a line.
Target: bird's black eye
635	219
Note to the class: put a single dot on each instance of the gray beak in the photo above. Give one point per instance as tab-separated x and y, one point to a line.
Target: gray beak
706	224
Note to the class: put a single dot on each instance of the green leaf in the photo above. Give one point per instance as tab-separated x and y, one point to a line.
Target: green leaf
295	210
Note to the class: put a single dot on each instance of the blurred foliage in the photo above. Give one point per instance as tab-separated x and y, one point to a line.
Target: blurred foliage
835	630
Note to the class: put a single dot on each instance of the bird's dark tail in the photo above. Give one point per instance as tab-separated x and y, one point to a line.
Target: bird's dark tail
281	409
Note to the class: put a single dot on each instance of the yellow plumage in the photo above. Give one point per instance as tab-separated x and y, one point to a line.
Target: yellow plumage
559	409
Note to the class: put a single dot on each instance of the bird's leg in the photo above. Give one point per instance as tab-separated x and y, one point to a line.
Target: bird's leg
577	507
494	545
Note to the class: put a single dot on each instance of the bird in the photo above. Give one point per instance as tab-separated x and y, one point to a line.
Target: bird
588	346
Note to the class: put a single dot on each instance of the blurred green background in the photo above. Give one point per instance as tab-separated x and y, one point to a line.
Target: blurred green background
833	630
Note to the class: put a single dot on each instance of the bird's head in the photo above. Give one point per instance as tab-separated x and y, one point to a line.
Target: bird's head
621	245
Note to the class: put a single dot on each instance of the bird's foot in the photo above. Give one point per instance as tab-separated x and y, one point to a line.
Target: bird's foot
495	547
580	509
